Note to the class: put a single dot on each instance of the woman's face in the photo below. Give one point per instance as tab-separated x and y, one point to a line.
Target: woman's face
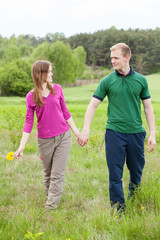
49	74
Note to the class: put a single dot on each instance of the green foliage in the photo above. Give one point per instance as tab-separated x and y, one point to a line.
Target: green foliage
25	50
33	236
97	46
53	37
98	73
92	49
14	119
15	78
80	53
84	211
41	52
11	53
65	63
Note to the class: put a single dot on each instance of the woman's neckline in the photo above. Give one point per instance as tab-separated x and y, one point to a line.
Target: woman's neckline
47	94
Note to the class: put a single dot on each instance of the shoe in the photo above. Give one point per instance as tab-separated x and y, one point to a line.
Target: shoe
51	207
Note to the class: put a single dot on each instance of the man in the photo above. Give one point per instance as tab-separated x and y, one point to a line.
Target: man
125	134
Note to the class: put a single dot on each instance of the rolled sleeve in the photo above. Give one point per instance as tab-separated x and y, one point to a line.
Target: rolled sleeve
64	108
29	116
145	90
102	89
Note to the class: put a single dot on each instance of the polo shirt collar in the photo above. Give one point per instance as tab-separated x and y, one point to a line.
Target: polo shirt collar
131	72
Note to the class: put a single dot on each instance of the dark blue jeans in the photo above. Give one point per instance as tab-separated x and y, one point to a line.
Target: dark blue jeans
121	146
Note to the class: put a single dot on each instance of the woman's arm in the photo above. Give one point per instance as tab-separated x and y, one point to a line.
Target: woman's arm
73	126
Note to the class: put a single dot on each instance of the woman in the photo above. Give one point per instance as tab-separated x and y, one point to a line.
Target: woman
53	122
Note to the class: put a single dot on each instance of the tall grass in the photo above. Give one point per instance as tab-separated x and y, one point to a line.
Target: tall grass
84	212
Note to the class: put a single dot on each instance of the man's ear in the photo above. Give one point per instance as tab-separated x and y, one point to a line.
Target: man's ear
127	57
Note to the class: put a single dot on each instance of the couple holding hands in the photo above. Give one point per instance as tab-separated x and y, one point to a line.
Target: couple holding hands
124	137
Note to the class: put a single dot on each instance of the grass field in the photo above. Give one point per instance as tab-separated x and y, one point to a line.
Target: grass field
84	212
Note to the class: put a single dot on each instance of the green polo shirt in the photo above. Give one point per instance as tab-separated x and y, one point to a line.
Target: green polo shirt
124	100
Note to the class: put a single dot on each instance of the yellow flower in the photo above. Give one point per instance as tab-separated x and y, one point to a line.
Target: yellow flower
116	217
142	207
10	156
27	145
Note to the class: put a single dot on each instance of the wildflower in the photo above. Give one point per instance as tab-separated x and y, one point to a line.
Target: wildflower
142	208
10	156
27	145
116	216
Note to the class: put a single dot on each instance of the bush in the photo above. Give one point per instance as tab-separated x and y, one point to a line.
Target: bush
15	78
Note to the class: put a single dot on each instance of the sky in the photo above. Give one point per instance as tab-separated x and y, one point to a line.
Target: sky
70	17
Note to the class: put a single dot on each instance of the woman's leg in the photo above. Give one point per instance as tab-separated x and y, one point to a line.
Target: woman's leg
59	163
46	148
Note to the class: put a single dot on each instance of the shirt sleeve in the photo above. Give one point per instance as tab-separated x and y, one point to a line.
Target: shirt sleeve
145	90
29	116
101	90
64	108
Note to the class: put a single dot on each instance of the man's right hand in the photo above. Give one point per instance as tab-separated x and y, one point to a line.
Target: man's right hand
83	138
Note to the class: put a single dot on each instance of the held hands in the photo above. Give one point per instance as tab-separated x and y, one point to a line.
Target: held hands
83	137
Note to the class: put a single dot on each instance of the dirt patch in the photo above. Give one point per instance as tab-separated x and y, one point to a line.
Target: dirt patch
81	82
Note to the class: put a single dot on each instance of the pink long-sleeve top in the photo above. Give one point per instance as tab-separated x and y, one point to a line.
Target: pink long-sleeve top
51	117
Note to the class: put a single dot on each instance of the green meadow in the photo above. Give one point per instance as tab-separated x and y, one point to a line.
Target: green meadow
84	212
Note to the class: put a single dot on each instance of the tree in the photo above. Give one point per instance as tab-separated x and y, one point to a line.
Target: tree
25	50
41	52
50	37
65	63
11	53
80	53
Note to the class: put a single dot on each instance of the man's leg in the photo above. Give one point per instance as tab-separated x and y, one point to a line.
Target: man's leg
135	159
115	153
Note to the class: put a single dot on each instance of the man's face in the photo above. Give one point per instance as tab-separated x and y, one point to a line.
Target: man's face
118	61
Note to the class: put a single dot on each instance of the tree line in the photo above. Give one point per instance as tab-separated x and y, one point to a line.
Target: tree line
144	44
69	55
16	62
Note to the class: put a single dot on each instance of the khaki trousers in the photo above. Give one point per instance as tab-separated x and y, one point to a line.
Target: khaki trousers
54	153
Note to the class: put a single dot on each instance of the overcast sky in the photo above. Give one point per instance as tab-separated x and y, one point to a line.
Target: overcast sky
39	17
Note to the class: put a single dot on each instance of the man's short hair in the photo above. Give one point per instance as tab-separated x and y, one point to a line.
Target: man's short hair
123	47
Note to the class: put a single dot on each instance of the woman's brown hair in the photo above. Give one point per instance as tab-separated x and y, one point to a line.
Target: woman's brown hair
39	75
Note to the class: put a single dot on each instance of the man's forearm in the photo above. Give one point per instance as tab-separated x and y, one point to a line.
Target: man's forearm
150	120
91	109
